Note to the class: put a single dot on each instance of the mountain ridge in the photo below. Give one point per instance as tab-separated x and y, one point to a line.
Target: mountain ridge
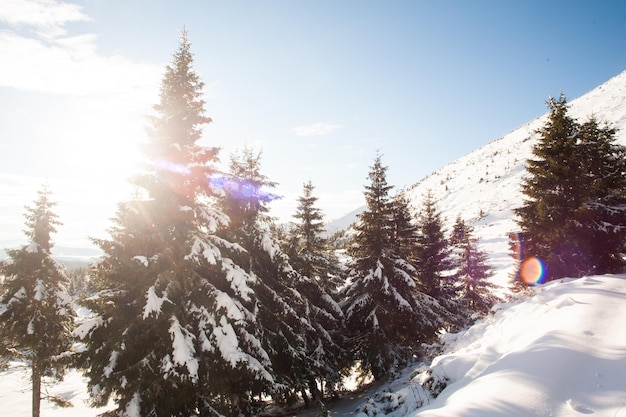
483	186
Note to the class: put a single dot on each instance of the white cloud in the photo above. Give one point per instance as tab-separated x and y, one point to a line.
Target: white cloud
72	66
317	129
49	61
46	16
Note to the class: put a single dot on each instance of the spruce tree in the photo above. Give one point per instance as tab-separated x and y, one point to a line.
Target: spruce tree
472	271
320	275
38	317
573	216
308	250
433	253
552	194
298	319
387	317
405	232
602	215
174	331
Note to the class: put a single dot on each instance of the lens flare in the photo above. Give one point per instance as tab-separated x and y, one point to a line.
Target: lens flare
532	270
242	189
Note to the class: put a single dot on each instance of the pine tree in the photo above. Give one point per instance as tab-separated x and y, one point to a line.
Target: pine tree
603	212
174	331
278	303
320	272
246	196
387	317
298	319
573	216
433	253
37	321
552	194
309	251
472	271
459	232
405	232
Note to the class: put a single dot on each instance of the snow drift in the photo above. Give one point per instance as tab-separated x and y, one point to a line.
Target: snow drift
559	353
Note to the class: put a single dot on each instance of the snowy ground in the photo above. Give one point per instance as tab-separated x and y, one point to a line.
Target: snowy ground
561	353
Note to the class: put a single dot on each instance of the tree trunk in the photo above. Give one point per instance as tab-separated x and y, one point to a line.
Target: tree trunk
36	377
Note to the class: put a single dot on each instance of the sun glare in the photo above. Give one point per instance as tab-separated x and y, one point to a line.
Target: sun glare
100	146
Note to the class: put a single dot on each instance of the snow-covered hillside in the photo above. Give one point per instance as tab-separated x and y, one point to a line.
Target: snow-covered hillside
483	186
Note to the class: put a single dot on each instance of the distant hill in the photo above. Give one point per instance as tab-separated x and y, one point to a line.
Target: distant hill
483	187
72	258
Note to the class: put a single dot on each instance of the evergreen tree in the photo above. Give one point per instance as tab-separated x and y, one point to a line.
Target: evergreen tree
405	232
294	315
573	216
515	251
38	317
603	212
552	194
321	273
309	251
245	199
387	317
174	331
459	232
472	271
433	253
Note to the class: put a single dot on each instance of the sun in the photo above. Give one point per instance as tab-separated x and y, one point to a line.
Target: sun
98	143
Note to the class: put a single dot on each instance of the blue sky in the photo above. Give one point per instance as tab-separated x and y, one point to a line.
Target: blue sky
318	86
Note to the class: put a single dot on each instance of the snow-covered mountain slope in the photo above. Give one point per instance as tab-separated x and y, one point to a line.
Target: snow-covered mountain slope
559	353
483	187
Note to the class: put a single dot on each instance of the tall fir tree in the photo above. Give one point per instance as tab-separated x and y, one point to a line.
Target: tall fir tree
573	215
433	253
603	212
552	194
174	331
474	290
295	315
37	321
309	250
405	232
387	317
321	274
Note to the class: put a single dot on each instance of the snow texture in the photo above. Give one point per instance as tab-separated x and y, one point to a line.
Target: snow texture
183	350
153	303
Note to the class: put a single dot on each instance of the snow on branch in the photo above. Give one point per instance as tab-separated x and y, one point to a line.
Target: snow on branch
183	350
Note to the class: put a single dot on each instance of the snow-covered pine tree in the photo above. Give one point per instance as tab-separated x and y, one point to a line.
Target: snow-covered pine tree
387	316
573	215
472	271
320	274
308	250
297	328
405	231
174	327
38	317
433	252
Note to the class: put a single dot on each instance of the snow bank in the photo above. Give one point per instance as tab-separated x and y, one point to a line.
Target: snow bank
560	353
